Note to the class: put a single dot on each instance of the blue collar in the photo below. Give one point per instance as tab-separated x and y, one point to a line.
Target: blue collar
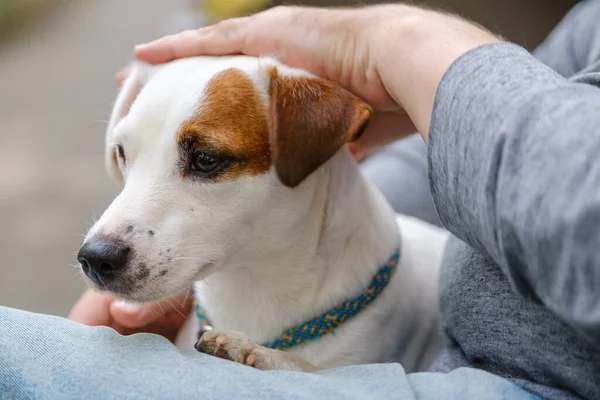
329	321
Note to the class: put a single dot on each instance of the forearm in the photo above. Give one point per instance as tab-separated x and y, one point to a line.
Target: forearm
512	153
513	166
413	49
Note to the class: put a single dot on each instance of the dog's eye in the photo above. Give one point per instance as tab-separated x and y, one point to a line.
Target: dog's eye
120	153
206	163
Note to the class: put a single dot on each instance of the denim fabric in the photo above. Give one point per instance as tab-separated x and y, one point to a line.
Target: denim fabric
47	357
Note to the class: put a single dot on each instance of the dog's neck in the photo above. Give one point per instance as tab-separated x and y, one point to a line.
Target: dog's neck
339	233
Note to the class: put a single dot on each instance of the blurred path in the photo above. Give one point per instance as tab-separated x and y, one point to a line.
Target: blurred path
56	87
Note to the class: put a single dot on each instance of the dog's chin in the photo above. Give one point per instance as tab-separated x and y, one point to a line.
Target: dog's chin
140	295
156	290
125	292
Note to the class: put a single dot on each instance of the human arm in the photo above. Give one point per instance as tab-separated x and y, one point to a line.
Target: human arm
375	52
515	173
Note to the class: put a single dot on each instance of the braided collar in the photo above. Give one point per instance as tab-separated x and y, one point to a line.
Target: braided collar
329	321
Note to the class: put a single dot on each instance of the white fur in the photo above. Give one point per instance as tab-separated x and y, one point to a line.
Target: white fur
266	257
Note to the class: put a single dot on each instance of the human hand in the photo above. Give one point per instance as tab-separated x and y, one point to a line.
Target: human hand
307	38
102	309
392	56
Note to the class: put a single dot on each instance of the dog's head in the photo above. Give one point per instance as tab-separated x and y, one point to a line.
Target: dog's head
212	151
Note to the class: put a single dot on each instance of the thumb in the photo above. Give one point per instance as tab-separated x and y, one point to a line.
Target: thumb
92	309
357	150
138	315
122	75
132	315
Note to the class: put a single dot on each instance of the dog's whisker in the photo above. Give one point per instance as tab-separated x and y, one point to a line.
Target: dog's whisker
209	287
188	250
187	258
188	246
77	276
216	298
110	104
187	293
94	215
193	246
182	241
175	308
162	313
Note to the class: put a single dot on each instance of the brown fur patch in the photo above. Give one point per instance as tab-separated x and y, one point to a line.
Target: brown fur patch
311	120
232	120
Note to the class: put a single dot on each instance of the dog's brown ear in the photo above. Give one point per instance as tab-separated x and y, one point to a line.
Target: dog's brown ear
310	119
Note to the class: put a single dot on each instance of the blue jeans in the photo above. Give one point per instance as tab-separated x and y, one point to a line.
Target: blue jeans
47	357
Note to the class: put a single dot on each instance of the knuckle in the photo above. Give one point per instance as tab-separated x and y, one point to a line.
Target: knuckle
279	10
231	28
290	14
235	32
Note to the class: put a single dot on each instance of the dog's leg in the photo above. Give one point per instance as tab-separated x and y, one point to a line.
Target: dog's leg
235	346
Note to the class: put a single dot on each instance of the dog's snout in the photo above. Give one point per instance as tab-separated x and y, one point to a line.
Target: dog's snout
101	259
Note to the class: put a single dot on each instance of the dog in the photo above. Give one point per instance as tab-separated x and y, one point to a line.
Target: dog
237	180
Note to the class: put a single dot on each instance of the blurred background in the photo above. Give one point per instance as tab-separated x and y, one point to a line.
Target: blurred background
58	59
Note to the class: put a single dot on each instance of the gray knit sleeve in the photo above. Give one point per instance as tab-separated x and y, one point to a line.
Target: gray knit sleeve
514	164
575	42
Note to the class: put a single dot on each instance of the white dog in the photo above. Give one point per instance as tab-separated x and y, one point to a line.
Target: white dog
237	178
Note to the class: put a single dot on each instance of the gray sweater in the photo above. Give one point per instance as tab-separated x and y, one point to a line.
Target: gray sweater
514	170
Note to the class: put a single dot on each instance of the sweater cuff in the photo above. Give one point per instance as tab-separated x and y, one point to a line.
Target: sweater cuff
464	114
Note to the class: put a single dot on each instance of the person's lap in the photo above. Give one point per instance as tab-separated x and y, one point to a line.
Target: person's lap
47	357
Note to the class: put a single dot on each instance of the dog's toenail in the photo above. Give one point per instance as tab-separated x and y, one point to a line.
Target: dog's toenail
201	346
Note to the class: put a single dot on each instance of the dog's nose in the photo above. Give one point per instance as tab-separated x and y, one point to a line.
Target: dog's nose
101	259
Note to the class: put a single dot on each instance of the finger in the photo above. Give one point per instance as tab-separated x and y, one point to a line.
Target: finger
92	308
134	315
122	75
224	38
357	151
130	315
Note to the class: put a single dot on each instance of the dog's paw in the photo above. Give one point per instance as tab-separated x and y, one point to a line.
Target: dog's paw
234	346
